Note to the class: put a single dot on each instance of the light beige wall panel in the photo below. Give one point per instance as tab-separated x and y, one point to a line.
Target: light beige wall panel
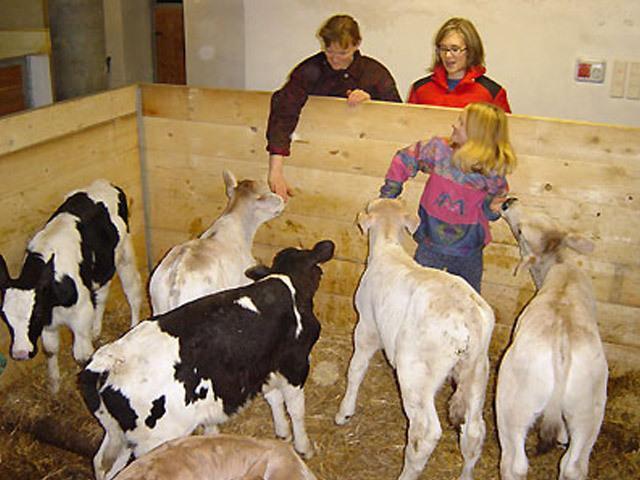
65	118
584	175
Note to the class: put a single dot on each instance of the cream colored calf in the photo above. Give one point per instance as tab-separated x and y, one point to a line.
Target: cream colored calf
555	365
220	457
431	325
218	258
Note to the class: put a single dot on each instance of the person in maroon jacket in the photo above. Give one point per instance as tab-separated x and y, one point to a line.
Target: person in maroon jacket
458	73
340	70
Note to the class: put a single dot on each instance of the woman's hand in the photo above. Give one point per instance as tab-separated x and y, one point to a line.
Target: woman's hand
277	182
357	96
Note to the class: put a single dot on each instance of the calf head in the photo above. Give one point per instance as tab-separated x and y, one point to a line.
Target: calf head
253	197
27	302
542	243
387	218
300	265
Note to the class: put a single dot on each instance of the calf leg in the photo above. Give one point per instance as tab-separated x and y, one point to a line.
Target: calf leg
51	346
473	385
281	424
101	302
513	424
82	327
366	343
584	415
130	278
419	383
294	400
112	448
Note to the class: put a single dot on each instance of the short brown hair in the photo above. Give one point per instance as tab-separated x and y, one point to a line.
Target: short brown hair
340	29
472	40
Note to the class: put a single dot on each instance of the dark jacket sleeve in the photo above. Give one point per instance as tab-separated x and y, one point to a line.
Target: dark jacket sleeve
386	89
286	105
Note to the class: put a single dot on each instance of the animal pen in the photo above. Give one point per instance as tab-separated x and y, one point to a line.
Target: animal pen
167	146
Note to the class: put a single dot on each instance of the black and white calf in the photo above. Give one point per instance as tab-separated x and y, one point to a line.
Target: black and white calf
66	274
198	364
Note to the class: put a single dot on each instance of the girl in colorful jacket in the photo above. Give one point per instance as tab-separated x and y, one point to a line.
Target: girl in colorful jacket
466	186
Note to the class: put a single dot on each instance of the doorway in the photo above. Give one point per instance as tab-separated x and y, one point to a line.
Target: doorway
169	42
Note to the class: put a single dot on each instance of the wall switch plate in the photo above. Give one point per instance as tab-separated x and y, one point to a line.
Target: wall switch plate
618	79
633	86
590	71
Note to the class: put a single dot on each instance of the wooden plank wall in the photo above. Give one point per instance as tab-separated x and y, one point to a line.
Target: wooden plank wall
47	152
585	175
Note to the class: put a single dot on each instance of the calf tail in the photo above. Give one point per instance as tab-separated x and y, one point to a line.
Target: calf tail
473	369
552	428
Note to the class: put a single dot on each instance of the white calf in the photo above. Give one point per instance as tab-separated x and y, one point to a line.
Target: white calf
217	259
431	325
223	457
555	365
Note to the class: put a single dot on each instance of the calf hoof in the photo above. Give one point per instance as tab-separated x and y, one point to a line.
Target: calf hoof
306	452
285	438
342	419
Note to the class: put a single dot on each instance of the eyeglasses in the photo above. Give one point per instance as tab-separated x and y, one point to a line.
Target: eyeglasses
455	50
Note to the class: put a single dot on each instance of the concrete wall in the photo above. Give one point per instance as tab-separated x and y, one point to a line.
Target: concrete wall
78	47
128	34
532	45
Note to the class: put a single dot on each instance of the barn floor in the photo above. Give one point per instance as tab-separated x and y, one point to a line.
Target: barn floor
54	438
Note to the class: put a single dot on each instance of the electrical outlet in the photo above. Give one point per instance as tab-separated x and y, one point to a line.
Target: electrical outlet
618	79
633	87
590	71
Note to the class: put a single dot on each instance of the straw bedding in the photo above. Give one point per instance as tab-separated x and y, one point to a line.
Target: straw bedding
55	438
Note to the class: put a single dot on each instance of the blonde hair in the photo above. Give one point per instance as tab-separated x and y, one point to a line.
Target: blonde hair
487	149
340	29
472	41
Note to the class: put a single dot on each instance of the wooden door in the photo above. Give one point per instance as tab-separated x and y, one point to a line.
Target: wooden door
11	90
169	35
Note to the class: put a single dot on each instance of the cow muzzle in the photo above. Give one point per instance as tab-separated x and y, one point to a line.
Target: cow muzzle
20	354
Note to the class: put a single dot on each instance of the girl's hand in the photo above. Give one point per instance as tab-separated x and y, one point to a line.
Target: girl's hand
496	203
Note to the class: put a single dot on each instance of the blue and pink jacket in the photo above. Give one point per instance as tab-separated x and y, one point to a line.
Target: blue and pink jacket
454	208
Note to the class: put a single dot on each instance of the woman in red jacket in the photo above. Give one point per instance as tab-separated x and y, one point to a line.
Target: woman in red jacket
457	77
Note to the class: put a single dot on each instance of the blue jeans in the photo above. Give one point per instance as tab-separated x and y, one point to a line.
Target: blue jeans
468	267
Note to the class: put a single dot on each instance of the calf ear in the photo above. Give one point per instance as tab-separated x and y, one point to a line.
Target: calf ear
4	274
525	262
411	222
257	272
230	182
323	251
579	243
363	220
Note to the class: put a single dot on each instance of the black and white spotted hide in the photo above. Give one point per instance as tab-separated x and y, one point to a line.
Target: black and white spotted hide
66	273
200	363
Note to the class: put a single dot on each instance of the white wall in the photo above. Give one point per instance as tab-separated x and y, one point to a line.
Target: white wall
531	45
215	43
